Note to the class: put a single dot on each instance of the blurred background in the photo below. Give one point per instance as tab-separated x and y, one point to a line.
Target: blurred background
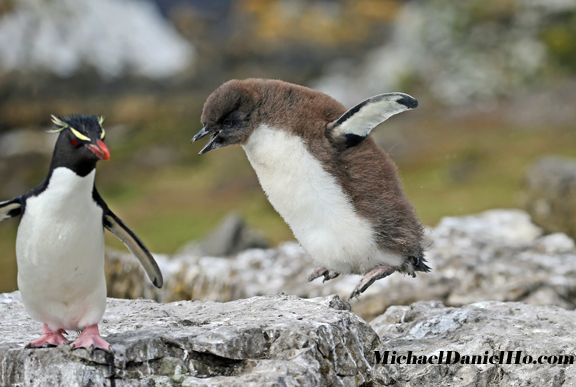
496	81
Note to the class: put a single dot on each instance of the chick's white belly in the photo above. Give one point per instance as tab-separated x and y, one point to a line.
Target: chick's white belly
61	266
313	204
335	238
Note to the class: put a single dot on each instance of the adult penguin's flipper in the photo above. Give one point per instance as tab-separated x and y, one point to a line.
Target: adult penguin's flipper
10	208
117	227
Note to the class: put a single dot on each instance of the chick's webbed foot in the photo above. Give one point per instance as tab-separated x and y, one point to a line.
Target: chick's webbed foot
49	338
322	272
90	339
369	278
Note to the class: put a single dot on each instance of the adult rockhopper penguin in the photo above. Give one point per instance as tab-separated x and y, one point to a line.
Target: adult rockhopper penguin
339	193
60	240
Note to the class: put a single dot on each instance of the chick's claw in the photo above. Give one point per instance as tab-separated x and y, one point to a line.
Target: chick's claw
370	277
322	272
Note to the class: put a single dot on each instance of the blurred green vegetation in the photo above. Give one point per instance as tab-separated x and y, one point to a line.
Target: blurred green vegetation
274	23
559	39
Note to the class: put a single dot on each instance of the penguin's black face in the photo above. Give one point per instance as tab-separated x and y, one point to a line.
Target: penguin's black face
228	115
82	138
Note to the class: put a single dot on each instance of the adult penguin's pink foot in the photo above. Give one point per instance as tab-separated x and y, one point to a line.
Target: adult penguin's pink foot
90	339
49	338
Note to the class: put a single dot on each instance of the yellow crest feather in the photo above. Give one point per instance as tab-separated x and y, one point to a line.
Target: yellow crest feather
79	135
61	125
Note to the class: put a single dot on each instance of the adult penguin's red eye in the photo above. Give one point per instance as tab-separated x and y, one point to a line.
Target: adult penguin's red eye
74	142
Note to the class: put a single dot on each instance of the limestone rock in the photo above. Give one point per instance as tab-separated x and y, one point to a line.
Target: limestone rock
551	194
496	255
230	237
258	341
426	328
137	39
457	71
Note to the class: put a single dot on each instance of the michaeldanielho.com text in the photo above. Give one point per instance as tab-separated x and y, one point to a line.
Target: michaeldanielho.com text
455	357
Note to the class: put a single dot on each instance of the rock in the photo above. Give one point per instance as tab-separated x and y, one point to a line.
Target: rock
426	328
137	39
431	46
24	142
258	341
551	194
496	255
230	237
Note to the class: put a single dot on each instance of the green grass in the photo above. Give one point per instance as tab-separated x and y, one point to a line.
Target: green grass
462	168
495	161
8	259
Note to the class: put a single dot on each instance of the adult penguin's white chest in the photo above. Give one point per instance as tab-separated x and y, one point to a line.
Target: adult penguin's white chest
60	252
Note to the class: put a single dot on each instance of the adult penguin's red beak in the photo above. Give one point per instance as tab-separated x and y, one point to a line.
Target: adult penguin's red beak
100	150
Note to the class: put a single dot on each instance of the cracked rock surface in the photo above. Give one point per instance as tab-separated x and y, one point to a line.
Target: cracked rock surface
259	341
495	255
426	328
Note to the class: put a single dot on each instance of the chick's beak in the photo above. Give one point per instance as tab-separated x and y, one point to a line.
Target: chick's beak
100	150
202	133
214	143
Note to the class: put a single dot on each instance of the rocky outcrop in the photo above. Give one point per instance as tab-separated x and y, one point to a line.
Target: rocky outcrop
259	341
290	341
136	40
551	194
496	255
461	69
484	329
230	237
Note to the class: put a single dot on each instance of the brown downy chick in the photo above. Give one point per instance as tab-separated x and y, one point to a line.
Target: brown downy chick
337	190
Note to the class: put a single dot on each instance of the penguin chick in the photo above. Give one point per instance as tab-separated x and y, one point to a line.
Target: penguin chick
60	240
339	193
